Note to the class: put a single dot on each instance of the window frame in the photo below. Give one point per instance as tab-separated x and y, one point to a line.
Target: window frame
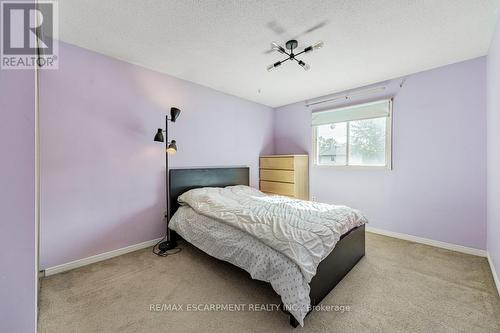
388	143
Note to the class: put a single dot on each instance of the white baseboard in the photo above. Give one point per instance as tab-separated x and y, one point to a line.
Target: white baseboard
494	272
431	242
108	255
99	257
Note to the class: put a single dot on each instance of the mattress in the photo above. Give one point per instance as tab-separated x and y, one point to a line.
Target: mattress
304	231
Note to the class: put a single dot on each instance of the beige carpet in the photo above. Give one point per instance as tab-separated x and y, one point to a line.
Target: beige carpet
398	287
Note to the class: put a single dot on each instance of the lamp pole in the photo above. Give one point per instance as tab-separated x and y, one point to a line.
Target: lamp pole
167	179
168	243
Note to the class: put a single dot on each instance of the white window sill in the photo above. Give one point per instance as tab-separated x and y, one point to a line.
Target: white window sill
353	167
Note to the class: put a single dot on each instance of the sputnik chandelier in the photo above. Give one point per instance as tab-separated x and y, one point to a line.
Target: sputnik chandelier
291	45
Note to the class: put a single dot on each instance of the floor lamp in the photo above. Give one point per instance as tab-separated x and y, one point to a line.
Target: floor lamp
170	149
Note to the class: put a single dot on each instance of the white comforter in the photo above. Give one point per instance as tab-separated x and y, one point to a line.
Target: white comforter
304	231
263	263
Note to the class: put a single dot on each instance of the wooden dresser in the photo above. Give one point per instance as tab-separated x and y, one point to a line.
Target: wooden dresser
285	175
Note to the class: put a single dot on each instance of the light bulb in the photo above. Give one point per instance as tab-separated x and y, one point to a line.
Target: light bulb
304	65
273	66
275	46
315	46
318	45
172	148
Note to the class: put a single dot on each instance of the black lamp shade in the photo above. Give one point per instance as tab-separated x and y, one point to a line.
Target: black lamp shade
172	147
159	136
174	113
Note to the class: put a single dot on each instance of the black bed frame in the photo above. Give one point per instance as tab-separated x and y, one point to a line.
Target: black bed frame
348	251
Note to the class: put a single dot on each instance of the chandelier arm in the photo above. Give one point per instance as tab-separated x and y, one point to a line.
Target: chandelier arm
303	51
283	52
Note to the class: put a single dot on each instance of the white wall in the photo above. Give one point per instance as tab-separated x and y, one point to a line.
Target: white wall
493	121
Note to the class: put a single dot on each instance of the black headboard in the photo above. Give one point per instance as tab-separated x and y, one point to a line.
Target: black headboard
182	180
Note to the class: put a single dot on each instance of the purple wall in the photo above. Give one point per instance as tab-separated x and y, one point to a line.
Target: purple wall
493	121
437	186
17	201
102	175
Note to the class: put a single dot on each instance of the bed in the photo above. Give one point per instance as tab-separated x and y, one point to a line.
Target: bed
248	252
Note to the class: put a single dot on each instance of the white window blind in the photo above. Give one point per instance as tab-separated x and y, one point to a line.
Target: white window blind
350	113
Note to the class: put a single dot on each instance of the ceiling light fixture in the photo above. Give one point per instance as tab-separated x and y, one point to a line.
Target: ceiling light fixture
292	45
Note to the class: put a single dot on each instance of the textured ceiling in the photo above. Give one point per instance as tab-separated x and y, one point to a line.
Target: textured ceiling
221	44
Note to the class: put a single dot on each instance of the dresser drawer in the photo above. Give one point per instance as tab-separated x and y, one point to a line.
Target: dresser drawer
280	163
278	188
286	176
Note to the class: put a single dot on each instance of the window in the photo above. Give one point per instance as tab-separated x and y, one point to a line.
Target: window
358	135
